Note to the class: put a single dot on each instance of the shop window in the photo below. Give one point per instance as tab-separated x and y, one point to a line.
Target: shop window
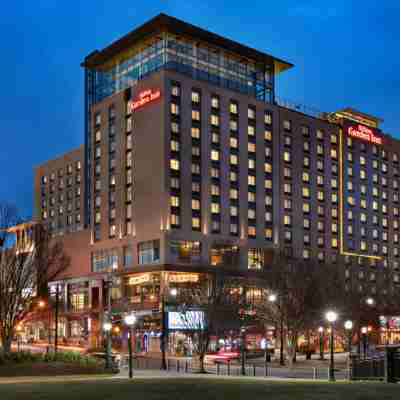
185	251
149	252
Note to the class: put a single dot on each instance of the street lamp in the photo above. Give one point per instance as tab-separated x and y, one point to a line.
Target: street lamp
364	331
331	316
370	301
107	326
348	326
243	350
273	299
321	342
130	320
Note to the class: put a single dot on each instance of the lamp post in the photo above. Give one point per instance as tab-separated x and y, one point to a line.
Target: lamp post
364	332
273	299
164	328
331	316
348	326
243	350
107	326
130	321
321	342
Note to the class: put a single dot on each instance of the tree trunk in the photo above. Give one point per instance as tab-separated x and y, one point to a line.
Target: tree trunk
6	341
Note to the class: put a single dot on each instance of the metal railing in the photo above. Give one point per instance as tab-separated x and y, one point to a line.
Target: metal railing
176	365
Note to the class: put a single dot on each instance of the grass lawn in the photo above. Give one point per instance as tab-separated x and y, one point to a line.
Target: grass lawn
201	389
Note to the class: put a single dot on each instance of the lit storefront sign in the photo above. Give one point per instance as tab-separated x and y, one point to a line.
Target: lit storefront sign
186	321
181	278
138	279
145	97
364	133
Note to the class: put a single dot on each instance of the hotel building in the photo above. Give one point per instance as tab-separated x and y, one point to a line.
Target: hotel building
191	164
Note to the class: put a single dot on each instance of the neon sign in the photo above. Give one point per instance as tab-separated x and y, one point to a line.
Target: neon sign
145	97
364	133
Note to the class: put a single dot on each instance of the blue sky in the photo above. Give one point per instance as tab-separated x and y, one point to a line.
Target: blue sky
346	53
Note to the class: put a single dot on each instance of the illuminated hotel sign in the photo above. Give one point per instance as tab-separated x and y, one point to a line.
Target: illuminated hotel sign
145	97
364	133
180	278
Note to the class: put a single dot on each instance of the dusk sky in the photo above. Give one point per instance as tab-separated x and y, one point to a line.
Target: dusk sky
346	53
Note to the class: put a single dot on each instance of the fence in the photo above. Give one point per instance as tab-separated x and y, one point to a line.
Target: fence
176	365
383	366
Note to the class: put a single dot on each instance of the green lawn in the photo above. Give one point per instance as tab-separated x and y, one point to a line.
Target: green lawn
193	389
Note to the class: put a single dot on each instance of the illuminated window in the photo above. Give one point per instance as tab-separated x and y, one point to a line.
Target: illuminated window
306	192
175	90
320	134
255	259
306	254
233	125
320	150
195	204
98	135
251	163
174	164
251	197
287	125
267	118
267	135
306	161
195	97
251	180
268	184
251	147
268	200
287	204
233	142
363	174
215	209
175	221
251	213
214	120
233	108
287	172
174	127
233	159
215	190
174	201
195	132
233	177
320	226
306	177
233	194
215	102
268	217
251	131
268	233
195	223
333	138
233	211
268	167
287	140
320	195
286	156
334	243
350	200
174	109
334	198
195	168
233	228
349	186
287	220
287	188
306	207
334	153
215	155
174	145
196	115
306	223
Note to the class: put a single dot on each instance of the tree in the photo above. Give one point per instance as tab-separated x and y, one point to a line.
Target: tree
202	308
27	264
296	298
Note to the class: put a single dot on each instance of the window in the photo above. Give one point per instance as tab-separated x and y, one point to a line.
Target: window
174	164
214	155
185	251
214	120
174	201
267	118
233	108
195	115
214	101
195	97
251	113
175	90
255	258
105	260
149	252
174	109
287	125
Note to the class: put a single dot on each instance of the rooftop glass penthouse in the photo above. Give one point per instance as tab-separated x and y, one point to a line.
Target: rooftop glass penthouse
165	42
